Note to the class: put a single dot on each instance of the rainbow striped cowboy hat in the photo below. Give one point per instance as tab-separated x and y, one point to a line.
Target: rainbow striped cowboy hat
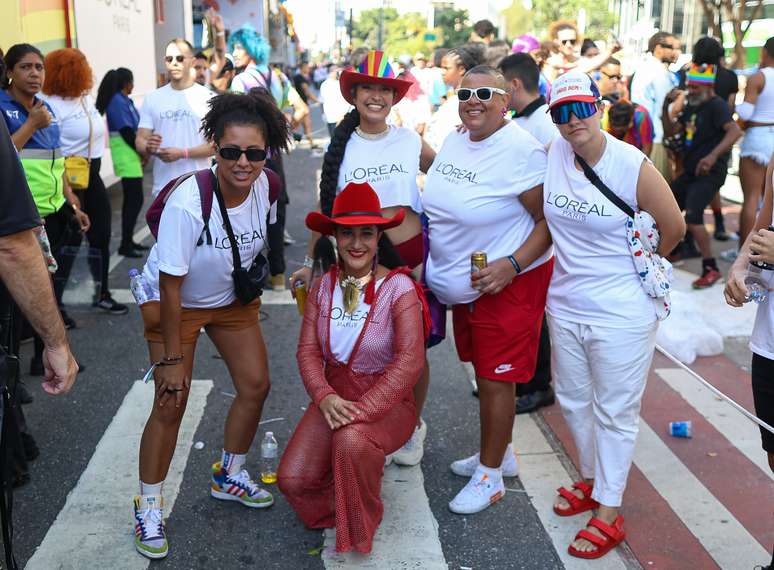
375	69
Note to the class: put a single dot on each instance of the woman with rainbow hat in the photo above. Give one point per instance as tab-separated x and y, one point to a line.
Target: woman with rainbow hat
365	149
359	354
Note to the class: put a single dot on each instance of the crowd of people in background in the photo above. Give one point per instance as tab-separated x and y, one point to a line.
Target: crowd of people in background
543	154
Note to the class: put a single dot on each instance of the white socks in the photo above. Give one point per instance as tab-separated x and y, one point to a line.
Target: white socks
233	462
151	489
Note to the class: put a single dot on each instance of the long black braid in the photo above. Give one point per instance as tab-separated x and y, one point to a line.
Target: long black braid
329	180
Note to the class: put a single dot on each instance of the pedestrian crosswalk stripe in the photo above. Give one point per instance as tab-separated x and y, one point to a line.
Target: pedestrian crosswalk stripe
722	535
541	472
408	534
744	435
94	529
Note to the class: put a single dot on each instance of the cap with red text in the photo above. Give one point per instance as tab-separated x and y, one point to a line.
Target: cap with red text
573	86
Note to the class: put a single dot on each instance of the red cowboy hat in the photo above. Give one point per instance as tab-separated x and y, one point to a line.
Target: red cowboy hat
375	69
356	205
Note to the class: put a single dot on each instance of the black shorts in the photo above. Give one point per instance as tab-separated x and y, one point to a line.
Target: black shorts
763	396
694	194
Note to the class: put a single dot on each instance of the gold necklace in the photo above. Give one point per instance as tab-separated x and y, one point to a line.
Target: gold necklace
372	136
351	288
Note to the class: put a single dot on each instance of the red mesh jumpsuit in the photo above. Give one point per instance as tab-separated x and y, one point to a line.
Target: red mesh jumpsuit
333	478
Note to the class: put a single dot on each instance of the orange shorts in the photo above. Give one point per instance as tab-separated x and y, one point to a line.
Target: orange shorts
233	317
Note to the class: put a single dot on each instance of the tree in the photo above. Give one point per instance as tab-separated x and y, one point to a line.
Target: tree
401	34
735	13
599	18
454	25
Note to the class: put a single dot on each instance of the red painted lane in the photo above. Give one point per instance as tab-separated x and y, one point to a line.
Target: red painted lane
712	458
656	535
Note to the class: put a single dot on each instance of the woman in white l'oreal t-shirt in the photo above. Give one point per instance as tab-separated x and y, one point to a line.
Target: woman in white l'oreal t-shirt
484	192
759	247
602	323
189	271
364	148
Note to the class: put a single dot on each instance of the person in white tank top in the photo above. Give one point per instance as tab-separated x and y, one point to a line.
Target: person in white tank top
759	246
602	323
364	148
757	111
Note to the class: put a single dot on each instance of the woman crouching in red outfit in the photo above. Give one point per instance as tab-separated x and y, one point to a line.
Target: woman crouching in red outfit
360	353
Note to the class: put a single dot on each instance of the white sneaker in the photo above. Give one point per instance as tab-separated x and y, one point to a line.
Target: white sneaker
480	492
412	451
466	467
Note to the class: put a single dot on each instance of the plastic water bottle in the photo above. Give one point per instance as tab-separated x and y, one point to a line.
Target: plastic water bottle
138	287
269	453
757	286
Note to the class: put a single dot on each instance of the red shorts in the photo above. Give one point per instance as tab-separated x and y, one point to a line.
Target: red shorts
411	251
500	336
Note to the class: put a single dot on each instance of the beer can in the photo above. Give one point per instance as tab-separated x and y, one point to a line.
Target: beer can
680	429
477	261
299	289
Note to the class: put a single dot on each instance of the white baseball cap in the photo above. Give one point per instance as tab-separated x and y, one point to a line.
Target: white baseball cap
573	86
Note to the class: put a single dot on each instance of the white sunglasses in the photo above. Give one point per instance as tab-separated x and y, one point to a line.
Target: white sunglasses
483	94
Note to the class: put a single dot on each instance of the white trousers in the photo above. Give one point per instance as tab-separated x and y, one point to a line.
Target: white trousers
599	377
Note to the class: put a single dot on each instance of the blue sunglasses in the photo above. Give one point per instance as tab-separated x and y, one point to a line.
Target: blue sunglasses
582	110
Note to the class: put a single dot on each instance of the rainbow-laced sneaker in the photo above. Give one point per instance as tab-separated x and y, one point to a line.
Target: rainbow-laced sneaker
238	487
150	539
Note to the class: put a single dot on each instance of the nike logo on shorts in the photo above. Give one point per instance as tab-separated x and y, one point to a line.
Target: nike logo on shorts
503	368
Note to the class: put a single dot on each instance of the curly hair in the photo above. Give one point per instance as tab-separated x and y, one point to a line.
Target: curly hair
559	25
254	43
254	108
329	180
14	55
68	74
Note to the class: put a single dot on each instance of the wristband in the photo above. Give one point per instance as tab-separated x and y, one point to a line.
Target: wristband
308	262
185	153
220	34
515	264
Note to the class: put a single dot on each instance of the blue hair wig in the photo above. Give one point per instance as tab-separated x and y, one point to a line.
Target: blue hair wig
255	45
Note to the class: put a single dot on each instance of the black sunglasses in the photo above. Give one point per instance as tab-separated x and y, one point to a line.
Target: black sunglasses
252	154
613	77
667	46
569	41
170	58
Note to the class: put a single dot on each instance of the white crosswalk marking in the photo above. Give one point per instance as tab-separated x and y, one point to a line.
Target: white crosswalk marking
541	472
721	534
94	529
408	535
742	433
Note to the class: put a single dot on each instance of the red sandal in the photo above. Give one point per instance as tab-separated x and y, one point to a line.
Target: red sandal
613	535
577	505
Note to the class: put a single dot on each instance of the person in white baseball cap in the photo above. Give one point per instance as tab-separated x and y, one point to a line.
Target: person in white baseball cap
601	321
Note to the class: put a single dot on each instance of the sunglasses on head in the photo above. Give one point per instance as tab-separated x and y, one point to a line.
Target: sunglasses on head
569	41
483	94
581	109
233	153
171	58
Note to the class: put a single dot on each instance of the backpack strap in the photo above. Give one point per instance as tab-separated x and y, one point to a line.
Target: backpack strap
205	180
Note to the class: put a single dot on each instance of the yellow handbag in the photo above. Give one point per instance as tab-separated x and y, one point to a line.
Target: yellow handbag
77	167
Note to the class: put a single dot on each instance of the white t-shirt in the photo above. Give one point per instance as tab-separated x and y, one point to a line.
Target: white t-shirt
207	268
445	121
594	280
333	102
74	125
762	338
471	198
539	125
345	328
413	113
176	115
390	165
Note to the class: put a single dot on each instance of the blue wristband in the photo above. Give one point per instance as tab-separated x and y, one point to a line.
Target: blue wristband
515	264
